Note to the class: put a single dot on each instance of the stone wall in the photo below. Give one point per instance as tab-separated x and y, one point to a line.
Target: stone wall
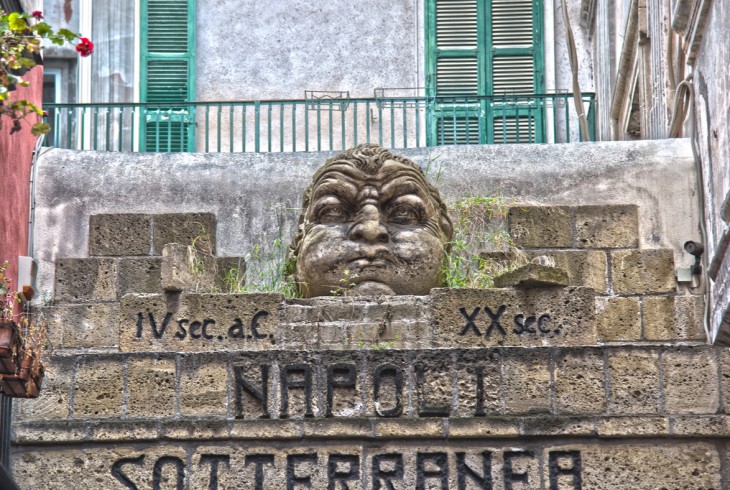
605	383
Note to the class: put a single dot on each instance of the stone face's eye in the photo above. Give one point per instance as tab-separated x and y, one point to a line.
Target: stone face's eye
404	214
333	213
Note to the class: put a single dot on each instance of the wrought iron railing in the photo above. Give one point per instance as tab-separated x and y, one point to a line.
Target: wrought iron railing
317	125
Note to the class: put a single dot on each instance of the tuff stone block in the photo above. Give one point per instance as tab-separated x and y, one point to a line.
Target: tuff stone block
526	376
691	381
434	390
123	431
119	234
139	275
300	385
87	326
478	427
197	229
185	269
633	426
634	382
541	227
479	384
53	401
607	226
724	357
513	317
673	318
199	322
584	267
543	425
645	466
643	271
151	387
203	385
579	382
98	388
618	318
83	280
532	275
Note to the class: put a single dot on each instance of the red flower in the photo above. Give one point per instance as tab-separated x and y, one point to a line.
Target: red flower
37	14
85	47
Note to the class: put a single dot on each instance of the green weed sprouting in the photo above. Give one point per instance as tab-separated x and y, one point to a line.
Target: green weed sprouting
481	248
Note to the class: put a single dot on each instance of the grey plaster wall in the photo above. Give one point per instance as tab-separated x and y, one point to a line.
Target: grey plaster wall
256	196
280	48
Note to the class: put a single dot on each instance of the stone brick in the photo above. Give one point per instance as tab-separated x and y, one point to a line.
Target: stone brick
633	426
634	382
532	275
658	317
618	318
185	269
434	390
151	387
562	426
296	369
203	385
197	229
701	426
81	280
338	428
194	429
346	400
607	226
479	427
579	382
124	431
643	271
98	388
119	234
200	322
526	378
247	368
584	267
391	368
53	401
527	317
646	466
691	381
141	275
724	356
408	428
470	365
541	227
258	429
87	326
674	318
64	432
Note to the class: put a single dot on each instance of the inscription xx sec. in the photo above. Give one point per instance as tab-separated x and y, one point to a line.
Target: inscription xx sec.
491	323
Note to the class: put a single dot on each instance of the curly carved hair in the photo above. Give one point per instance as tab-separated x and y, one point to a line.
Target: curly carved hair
368	158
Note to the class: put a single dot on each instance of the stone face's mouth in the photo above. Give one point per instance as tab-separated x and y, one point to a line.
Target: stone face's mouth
363	264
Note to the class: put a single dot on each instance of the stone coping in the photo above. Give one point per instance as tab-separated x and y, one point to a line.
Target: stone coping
370	428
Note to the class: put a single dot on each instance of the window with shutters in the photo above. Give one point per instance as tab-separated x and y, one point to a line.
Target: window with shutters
484	58
168	75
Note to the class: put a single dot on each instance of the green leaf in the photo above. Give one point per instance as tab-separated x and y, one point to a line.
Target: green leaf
27	63
43	29
24	84
58	41
16	22
70	36
40	128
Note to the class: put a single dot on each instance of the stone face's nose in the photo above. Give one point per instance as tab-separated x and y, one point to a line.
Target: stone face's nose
367	226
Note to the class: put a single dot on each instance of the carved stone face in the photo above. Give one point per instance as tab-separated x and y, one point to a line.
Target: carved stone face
371	228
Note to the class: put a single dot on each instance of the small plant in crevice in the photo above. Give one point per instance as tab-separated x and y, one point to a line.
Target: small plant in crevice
200	259
346	284
481	248
266	262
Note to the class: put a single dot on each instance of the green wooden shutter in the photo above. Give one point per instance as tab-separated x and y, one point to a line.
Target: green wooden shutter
455	63
484	47
168	74
515	62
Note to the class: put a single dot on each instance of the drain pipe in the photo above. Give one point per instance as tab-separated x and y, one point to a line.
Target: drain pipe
31	208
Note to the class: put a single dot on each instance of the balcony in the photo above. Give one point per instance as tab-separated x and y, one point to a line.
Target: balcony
317	124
